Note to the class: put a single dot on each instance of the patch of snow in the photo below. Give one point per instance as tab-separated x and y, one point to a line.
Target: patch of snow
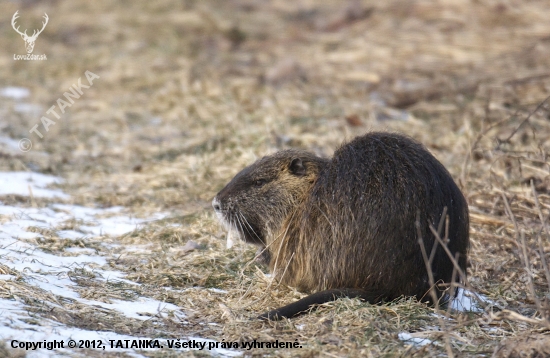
54	284
21	183
71	234
20	255
79	250
84	212
13	327
15	92
142	309
216	290
118	276
466	301
16	231
408	338
96	222
57	282
50	272
10	144
115	227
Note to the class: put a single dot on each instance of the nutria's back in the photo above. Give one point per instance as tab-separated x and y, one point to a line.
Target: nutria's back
353	221
359	220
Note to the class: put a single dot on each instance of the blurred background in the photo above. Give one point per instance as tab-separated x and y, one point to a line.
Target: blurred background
179	77
186	93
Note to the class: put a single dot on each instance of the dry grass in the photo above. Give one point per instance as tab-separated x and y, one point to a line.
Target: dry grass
190	92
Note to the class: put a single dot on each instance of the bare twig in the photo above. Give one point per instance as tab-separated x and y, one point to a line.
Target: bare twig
449	254
476	142
439	229
514	316
428	262
511	215
527	265
523	122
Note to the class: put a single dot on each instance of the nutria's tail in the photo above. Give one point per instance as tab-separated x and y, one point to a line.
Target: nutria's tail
300	306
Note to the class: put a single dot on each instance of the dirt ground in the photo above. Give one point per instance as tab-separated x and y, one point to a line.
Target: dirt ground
183	94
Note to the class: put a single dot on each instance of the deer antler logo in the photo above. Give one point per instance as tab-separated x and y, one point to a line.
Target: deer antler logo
29	40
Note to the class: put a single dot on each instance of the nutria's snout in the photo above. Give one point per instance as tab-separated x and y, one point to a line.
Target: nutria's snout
233	219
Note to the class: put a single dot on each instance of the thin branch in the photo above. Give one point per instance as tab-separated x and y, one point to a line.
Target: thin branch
528	271
523	122
428	263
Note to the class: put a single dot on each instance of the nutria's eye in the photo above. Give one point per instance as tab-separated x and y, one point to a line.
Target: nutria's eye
260	182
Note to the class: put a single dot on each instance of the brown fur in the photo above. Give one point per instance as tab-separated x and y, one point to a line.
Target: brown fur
350	222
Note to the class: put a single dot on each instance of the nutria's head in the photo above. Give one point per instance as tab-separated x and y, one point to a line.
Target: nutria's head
257	200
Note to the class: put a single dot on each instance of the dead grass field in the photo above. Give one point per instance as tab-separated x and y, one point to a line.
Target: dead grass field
192	91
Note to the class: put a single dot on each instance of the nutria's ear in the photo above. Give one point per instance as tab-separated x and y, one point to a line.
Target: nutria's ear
297	167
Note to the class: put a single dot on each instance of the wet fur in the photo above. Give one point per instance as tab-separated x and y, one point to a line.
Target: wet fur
347	225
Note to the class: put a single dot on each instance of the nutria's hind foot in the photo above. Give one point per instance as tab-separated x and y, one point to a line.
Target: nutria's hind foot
302	306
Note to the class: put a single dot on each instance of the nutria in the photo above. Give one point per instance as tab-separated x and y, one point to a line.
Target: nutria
350	225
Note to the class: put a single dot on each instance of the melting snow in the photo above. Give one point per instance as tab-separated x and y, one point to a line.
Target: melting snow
15	92
10	144
51	330
50	272
467	301
21	183
408	338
